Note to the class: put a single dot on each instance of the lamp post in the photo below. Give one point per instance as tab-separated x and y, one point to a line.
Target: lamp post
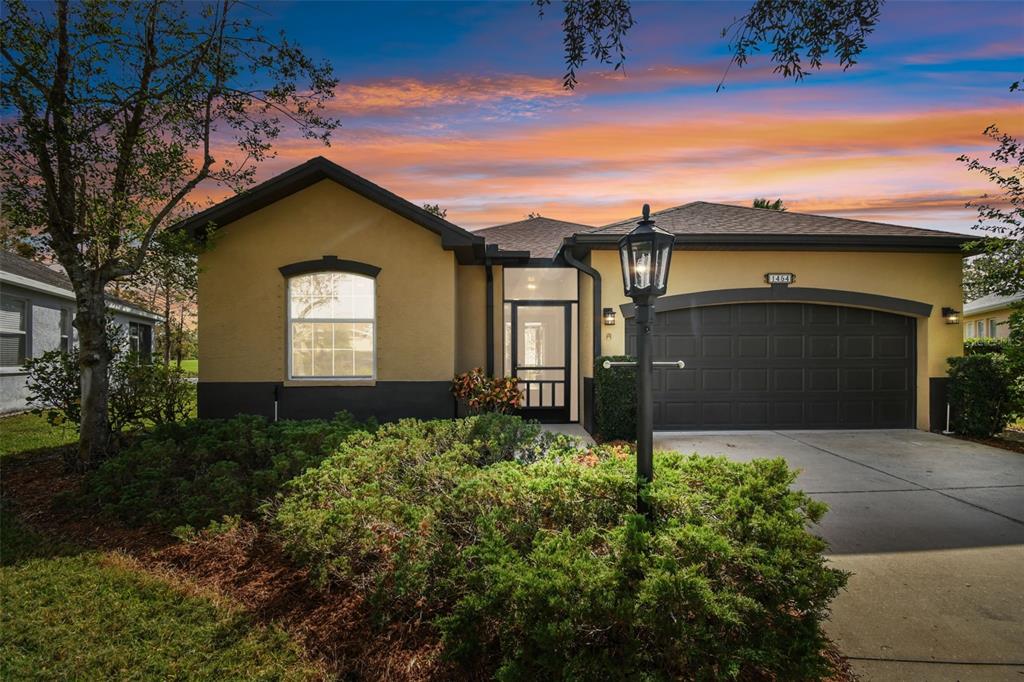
646	253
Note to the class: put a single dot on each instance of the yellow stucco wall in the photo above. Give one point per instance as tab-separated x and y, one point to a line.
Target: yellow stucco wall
926	277
470	317
242	330
1001	316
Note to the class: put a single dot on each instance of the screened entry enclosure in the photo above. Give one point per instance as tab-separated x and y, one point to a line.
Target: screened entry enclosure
540	313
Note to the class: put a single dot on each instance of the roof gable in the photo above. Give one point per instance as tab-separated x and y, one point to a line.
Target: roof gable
538	235
464	243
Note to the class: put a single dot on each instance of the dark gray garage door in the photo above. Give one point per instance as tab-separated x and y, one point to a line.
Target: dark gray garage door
783	365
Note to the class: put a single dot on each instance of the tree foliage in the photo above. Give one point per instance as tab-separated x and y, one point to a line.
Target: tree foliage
999	266
594	28
436	210
776	205
115	111
801	34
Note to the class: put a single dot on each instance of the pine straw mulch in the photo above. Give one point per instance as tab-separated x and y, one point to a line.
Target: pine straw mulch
248	567
1011	440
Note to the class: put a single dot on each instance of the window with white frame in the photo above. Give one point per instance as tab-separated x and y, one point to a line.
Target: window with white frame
13	335
993	330
331	326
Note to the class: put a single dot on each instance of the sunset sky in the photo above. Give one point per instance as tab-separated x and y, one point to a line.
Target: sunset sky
461	104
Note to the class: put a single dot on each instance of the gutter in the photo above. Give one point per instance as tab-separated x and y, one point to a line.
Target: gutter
490	317
568	257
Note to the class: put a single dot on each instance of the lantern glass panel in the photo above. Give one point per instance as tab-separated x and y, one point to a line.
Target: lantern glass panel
643	263
627	284
664	254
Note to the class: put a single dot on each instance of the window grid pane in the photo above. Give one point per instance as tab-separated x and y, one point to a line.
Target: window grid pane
332	325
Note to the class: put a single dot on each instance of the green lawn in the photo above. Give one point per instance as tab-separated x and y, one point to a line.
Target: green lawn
66	613
26	432
92	615
191	366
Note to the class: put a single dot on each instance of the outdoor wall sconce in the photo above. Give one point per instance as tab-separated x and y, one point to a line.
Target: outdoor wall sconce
608	315
951	315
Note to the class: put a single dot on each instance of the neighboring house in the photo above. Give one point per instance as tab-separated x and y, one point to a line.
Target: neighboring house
37	307
326	292
988	317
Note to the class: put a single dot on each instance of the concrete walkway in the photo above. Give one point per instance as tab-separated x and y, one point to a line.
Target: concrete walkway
933	530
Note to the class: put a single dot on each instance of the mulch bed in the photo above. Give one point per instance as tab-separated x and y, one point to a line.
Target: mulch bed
1008	440
245	564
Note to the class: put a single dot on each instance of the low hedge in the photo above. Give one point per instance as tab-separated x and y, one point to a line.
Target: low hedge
977	346
984	393
197	471
615	399
537	567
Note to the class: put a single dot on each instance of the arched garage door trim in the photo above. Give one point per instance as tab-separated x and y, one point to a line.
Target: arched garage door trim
784	294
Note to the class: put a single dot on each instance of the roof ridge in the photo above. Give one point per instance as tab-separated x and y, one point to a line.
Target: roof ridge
653	213
530	219
826	217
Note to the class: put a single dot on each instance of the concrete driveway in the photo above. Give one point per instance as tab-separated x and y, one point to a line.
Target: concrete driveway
933	530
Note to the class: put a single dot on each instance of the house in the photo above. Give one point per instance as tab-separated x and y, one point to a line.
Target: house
989	316
37	306
324	291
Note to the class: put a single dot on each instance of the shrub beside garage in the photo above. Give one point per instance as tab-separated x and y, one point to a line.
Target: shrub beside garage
986	385
535	566
615	399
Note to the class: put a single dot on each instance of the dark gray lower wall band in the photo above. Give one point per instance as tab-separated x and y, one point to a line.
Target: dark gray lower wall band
386	401
938	395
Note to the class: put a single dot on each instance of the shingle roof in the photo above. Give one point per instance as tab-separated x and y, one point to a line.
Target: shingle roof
991	302
540	236
14	264
702	217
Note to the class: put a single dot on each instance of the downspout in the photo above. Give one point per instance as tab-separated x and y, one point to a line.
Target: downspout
569	258
490	317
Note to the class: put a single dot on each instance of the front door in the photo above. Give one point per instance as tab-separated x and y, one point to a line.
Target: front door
541	352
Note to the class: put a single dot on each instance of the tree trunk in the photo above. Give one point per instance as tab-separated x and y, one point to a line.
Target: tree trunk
94	363
167	324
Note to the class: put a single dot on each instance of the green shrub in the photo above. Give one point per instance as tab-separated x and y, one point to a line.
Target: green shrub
544	571
990	345
193	472
141	394
983	393
615	399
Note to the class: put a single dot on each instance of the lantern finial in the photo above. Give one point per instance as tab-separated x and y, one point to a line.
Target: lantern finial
647	212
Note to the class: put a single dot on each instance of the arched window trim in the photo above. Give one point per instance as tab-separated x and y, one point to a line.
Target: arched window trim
327	265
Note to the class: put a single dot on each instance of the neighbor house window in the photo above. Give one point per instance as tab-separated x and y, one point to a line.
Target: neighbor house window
140	340
331	321
65	330
13	338
992	328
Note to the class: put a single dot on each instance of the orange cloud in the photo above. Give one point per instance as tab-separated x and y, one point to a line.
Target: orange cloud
599	171
401	94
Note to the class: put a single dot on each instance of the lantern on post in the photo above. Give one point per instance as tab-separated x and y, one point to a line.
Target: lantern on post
646	254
